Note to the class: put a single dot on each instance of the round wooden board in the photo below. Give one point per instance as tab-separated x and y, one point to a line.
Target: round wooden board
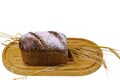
12	60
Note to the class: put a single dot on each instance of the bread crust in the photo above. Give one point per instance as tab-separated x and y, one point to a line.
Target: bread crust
37	52
46	58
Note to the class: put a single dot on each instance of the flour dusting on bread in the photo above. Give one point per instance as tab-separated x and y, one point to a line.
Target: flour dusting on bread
44	40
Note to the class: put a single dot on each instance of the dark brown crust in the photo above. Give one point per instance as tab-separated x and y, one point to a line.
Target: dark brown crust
20	44
40	58
42	55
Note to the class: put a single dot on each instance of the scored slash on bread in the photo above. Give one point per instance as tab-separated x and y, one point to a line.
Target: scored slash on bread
44	48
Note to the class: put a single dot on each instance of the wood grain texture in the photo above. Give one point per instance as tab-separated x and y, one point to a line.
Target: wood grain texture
12	60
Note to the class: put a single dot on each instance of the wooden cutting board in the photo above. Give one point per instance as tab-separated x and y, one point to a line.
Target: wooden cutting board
12	60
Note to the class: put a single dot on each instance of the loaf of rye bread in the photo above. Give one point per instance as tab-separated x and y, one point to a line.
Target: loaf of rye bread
46	48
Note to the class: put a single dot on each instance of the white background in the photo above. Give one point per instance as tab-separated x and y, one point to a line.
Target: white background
96	20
